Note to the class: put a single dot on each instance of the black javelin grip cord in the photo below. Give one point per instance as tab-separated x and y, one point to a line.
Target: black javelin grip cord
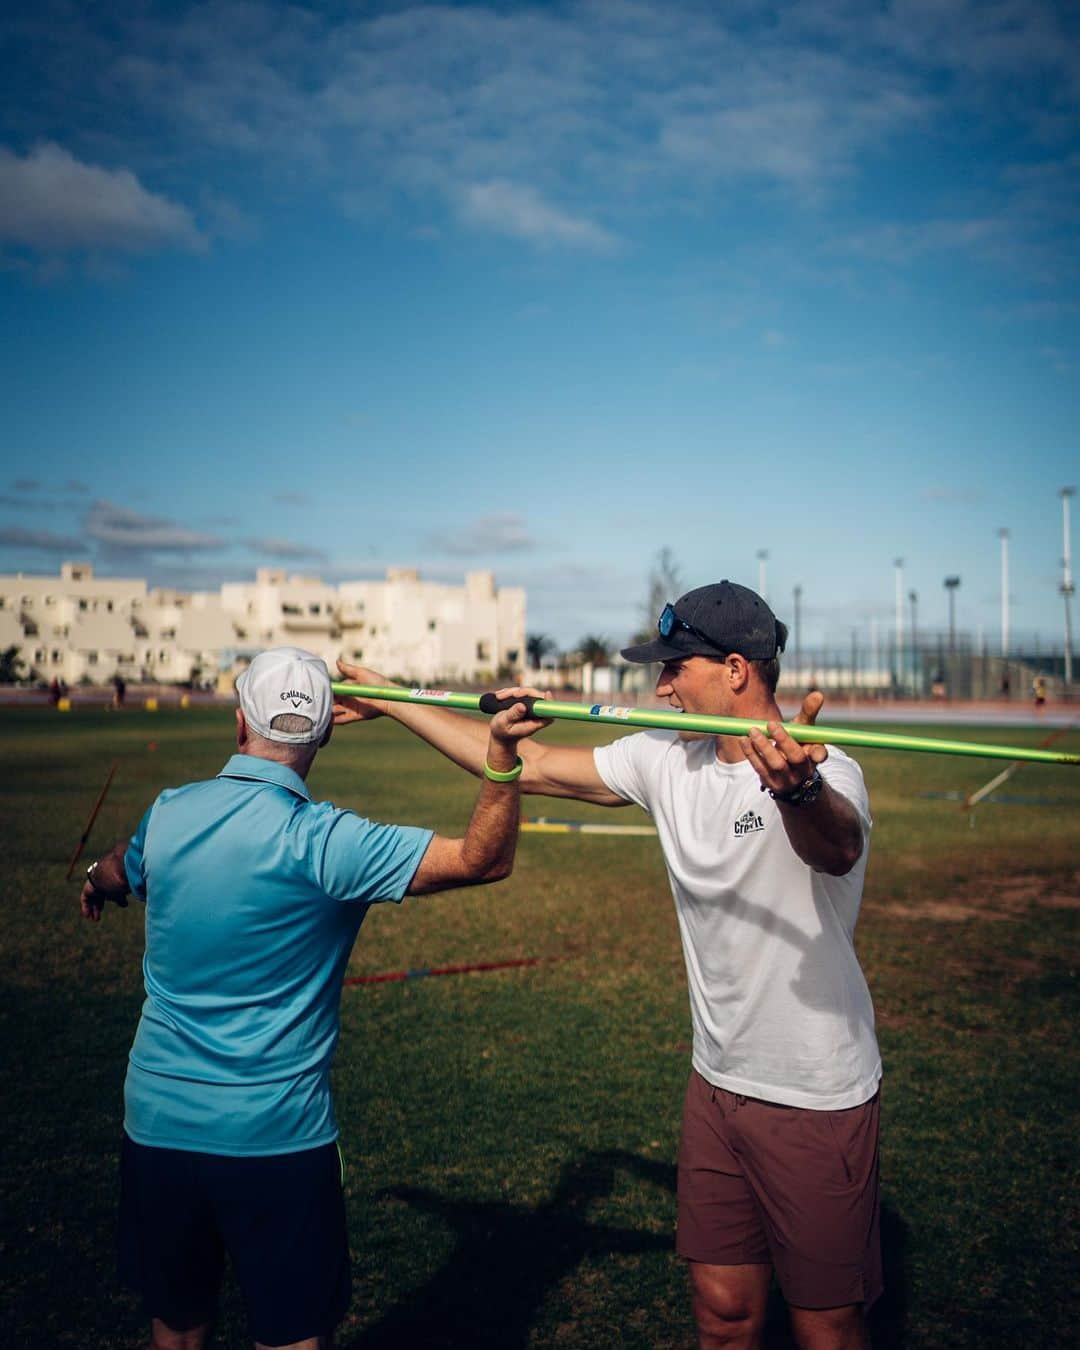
672	720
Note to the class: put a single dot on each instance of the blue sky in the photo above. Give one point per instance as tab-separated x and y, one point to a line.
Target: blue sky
544	289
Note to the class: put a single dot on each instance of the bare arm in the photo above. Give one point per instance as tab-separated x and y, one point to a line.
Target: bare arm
106	880
550	770
486	852
826	834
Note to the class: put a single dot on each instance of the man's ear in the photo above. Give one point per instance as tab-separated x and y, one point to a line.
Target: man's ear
738	672
241	729
329	733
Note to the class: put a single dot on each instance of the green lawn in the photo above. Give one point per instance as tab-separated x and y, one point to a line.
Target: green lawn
510	1136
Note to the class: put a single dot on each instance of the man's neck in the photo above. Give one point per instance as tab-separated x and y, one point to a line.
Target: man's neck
728	749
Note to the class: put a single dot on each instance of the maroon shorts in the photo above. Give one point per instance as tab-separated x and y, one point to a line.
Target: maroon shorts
764	1184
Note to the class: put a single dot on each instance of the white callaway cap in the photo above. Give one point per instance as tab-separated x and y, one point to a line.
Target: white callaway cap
287	680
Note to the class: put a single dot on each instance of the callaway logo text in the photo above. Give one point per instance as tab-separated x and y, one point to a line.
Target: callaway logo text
296	697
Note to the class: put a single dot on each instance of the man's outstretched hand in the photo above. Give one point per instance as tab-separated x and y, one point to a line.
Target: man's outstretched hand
348	709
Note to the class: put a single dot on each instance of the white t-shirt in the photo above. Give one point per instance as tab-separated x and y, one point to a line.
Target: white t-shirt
779	1004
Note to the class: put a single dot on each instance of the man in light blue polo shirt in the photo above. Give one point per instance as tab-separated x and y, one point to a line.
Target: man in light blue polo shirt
254	896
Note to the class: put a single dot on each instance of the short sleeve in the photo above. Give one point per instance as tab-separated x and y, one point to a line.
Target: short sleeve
624	764
362	860
133	858
844	775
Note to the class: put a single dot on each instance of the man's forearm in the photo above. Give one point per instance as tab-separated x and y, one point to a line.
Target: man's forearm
491	839
826	835
460	738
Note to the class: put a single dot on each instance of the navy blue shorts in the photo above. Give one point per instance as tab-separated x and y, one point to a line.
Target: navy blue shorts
281	1219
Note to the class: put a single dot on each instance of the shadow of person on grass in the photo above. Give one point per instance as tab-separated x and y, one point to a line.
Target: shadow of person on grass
509	1256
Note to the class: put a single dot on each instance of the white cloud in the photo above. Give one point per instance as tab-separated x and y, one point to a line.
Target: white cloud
521	212
541	121
285	549
42	541
51	202
119	528
501	533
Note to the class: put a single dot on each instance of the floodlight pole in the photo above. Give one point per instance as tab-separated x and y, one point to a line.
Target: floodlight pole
898	565
913	597
762	580
1067	587
798	632
952	585
1003	535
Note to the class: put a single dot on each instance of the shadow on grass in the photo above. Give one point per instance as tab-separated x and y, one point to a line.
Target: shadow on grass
509	1256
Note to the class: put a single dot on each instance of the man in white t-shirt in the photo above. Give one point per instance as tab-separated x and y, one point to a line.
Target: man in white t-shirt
765	842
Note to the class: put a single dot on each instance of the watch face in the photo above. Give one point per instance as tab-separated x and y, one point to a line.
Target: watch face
812	790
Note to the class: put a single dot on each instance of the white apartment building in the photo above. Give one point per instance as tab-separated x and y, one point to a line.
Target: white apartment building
414	629
86	629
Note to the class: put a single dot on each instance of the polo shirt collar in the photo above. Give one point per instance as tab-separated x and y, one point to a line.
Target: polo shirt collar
266	771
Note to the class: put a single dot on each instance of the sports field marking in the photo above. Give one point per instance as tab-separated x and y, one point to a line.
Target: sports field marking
547	825
422	972
973	798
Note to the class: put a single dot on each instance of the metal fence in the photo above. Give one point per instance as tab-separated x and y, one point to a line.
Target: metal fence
930	669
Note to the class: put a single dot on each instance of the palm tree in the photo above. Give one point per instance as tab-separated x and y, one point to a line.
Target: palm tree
595	649
10	663
538	645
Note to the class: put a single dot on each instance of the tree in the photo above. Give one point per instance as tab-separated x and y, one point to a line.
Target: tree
595	649
538	645
665	584
10	661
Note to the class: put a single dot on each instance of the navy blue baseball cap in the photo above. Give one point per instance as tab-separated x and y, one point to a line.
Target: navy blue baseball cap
714	621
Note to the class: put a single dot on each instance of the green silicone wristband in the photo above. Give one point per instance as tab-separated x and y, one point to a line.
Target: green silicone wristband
510	776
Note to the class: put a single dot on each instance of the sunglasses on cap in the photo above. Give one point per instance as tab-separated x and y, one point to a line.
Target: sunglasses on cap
669	622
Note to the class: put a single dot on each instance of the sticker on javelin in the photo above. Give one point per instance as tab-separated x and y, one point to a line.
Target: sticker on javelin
430	693
606	710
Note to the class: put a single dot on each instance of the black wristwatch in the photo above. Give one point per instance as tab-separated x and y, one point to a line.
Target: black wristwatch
806	794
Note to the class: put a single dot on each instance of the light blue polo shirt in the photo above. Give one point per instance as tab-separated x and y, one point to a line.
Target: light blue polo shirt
254	896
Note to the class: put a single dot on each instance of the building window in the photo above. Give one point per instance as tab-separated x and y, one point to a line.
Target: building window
431	625
314	609
83	604
91	658
290	609
56	657
482	652
108	605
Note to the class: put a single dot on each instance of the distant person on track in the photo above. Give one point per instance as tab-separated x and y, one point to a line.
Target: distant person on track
119	685
1038	691
254	895
766	845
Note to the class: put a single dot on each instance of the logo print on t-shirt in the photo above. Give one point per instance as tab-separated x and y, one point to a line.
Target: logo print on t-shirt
748	822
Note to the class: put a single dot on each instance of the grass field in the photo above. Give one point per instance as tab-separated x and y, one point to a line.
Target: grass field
510	1136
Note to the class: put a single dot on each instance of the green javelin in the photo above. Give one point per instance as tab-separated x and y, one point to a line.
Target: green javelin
716	726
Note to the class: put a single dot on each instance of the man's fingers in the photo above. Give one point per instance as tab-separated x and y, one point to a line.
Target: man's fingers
811	706
773	751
